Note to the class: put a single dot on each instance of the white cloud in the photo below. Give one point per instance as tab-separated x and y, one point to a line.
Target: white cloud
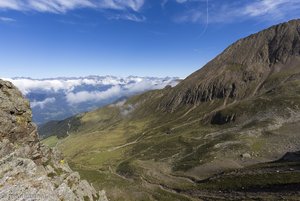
62	6
42	104
56	6
135	5
127	16
240	10
134	86
193	16
117	91
263	7
84	96
144	85
10	4
28	85
125	111
76	90
7	19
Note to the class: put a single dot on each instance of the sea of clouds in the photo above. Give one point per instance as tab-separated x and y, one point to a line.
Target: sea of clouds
69	87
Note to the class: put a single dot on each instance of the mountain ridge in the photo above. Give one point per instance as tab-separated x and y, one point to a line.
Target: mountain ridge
249	61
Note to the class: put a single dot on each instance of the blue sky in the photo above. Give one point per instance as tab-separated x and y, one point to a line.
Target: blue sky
51	38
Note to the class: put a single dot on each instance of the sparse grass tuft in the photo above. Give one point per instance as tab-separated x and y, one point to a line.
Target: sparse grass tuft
51	141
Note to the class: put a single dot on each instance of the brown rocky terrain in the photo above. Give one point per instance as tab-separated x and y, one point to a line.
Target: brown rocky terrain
30	170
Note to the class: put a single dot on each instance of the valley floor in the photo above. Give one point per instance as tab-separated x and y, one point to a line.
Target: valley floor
269	182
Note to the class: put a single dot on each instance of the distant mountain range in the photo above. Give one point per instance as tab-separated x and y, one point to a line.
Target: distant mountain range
59	98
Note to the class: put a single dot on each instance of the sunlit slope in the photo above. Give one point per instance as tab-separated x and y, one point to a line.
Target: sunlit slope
233	113
105	148
143	147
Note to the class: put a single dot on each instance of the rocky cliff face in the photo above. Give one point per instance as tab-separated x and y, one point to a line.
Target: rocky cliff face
28	169
246	68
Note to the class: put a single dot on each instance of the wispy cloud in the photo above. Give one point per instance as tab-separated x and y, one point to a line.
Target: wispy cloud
127	16
7	19
278	8
63	6
53	6
10	4
230	11
135	5
181	1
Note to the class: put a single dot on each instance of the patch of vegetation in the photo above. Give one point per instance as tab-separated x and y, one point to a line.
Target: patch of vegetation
51	175
235	67
279	175
51	141
60	128
163	195
59	171
116	187
48	162
201	154
250	181
126	169
258	145
195	158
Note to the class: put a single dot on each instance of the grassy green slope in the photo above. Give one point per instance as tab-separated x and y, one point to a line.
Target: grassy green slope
240	110
137	151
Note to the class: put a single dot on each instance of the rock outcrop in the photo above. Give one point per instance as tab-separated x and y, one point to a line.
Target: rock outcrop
30	170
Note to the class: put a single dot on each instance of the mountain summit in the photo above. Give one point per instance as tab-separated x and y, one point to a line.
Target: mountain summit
244	69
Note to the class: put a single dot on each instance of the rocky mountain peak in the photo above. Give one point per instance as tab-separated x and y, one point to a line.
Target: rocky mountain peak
28	169
243	70
274	45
